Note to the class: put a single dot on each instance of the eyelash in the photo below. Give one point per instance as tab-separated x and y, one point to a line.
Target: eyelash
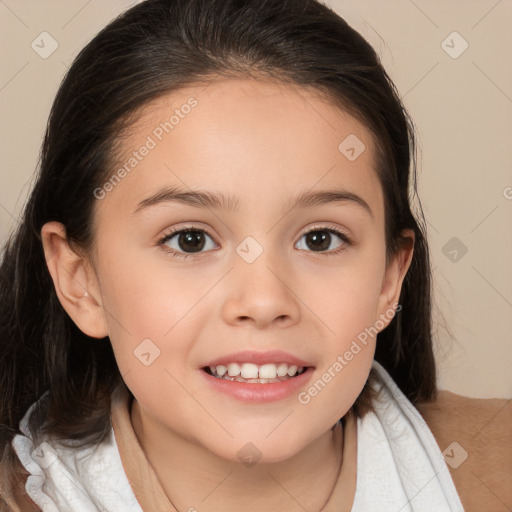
348	242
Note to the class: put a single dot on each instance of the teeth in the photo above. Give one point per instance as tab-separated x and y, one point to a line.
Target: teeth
268	371
254	373
282	370
249	371
233	369
292	370
220	370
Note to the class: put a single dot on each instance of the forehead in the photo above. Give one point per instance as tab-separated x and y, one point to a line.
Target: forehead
254	139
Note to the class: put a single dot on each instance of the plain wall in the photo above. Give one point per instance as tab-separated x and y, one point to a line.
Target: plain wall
462	109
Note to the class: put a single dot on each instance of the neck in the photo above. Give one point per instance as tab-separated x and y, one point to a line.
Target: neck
193	478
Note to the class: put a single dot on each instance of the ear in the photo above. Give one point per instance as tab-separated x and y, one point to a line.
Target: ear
74	280
394	277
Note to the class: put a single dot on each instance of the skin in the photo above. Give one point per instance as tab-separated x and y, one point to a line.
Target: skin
263	142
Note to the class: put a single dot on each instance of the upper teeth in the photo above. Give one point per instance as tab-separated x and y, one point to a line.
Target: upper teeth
253	371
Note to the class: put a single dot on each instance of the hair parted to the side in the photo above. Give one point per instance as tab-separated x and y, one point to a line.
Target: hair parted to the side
153	49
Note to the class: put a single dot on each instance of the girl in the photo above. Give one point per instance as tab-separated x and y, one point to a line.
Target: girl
220	228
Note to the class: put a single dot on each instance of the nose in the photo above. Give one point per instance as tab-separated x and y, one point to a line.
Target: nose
261	294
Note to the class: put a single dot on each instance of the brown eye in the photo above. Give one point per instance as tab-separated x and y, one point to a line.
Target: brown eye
191	240
321	240
186	242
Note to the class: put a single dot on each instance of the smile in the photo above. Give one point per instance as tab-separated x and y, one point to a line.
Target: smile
258	390
255	374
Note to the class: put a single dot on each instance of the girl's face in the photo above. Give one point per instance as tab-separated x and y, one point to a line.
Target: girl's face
248	277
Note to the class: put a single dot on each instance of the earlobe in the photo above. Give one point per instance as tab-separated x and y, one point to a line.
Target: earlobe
394	277
74	281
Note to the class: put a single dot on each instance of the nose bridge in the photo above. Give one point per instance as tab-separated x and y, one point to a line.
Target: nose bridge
259	287
258	262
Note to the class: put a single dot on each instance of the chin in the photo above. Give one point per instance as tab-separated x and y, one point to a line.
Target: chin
259	450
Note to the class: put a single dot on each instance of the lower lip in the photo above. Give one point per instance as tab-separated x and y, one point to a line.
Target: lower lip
257	392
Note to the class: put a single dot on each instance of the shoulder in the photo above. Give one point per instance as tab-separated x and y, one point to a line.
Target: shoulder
475	436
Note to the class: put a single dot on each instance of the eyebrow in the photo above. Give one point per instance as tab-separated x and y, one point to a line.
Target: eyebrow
218	200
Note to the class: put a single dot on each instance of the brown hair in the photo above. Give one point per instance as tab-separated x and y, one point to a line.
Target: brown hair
153	49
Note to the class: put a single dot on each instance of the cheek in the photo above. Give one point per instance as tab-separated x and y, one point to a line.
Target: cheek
347	304
348	309
143	307
345	297
146	295
154	312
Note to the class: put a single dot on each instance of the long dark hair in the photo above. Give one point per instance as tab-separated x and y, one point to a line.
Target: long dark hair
153	49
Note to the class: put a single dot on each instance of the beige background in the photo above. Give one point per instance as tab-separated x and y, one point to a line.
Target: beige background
462	108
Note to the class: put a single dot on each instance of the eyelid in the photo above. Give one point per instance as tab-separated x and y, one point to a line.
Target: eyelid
167	235
185	227
318	225
327	225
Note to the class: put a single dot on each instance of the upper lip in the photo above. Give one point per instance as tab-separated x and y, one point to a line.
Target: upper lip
258	358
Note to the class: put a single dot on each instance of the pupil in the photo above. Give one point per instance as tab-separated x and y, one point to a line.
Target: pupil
193	239
318	242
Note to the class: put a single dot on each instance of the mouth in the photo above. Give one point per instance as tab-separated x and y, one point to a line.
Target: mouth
257	377
255	387
250	373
